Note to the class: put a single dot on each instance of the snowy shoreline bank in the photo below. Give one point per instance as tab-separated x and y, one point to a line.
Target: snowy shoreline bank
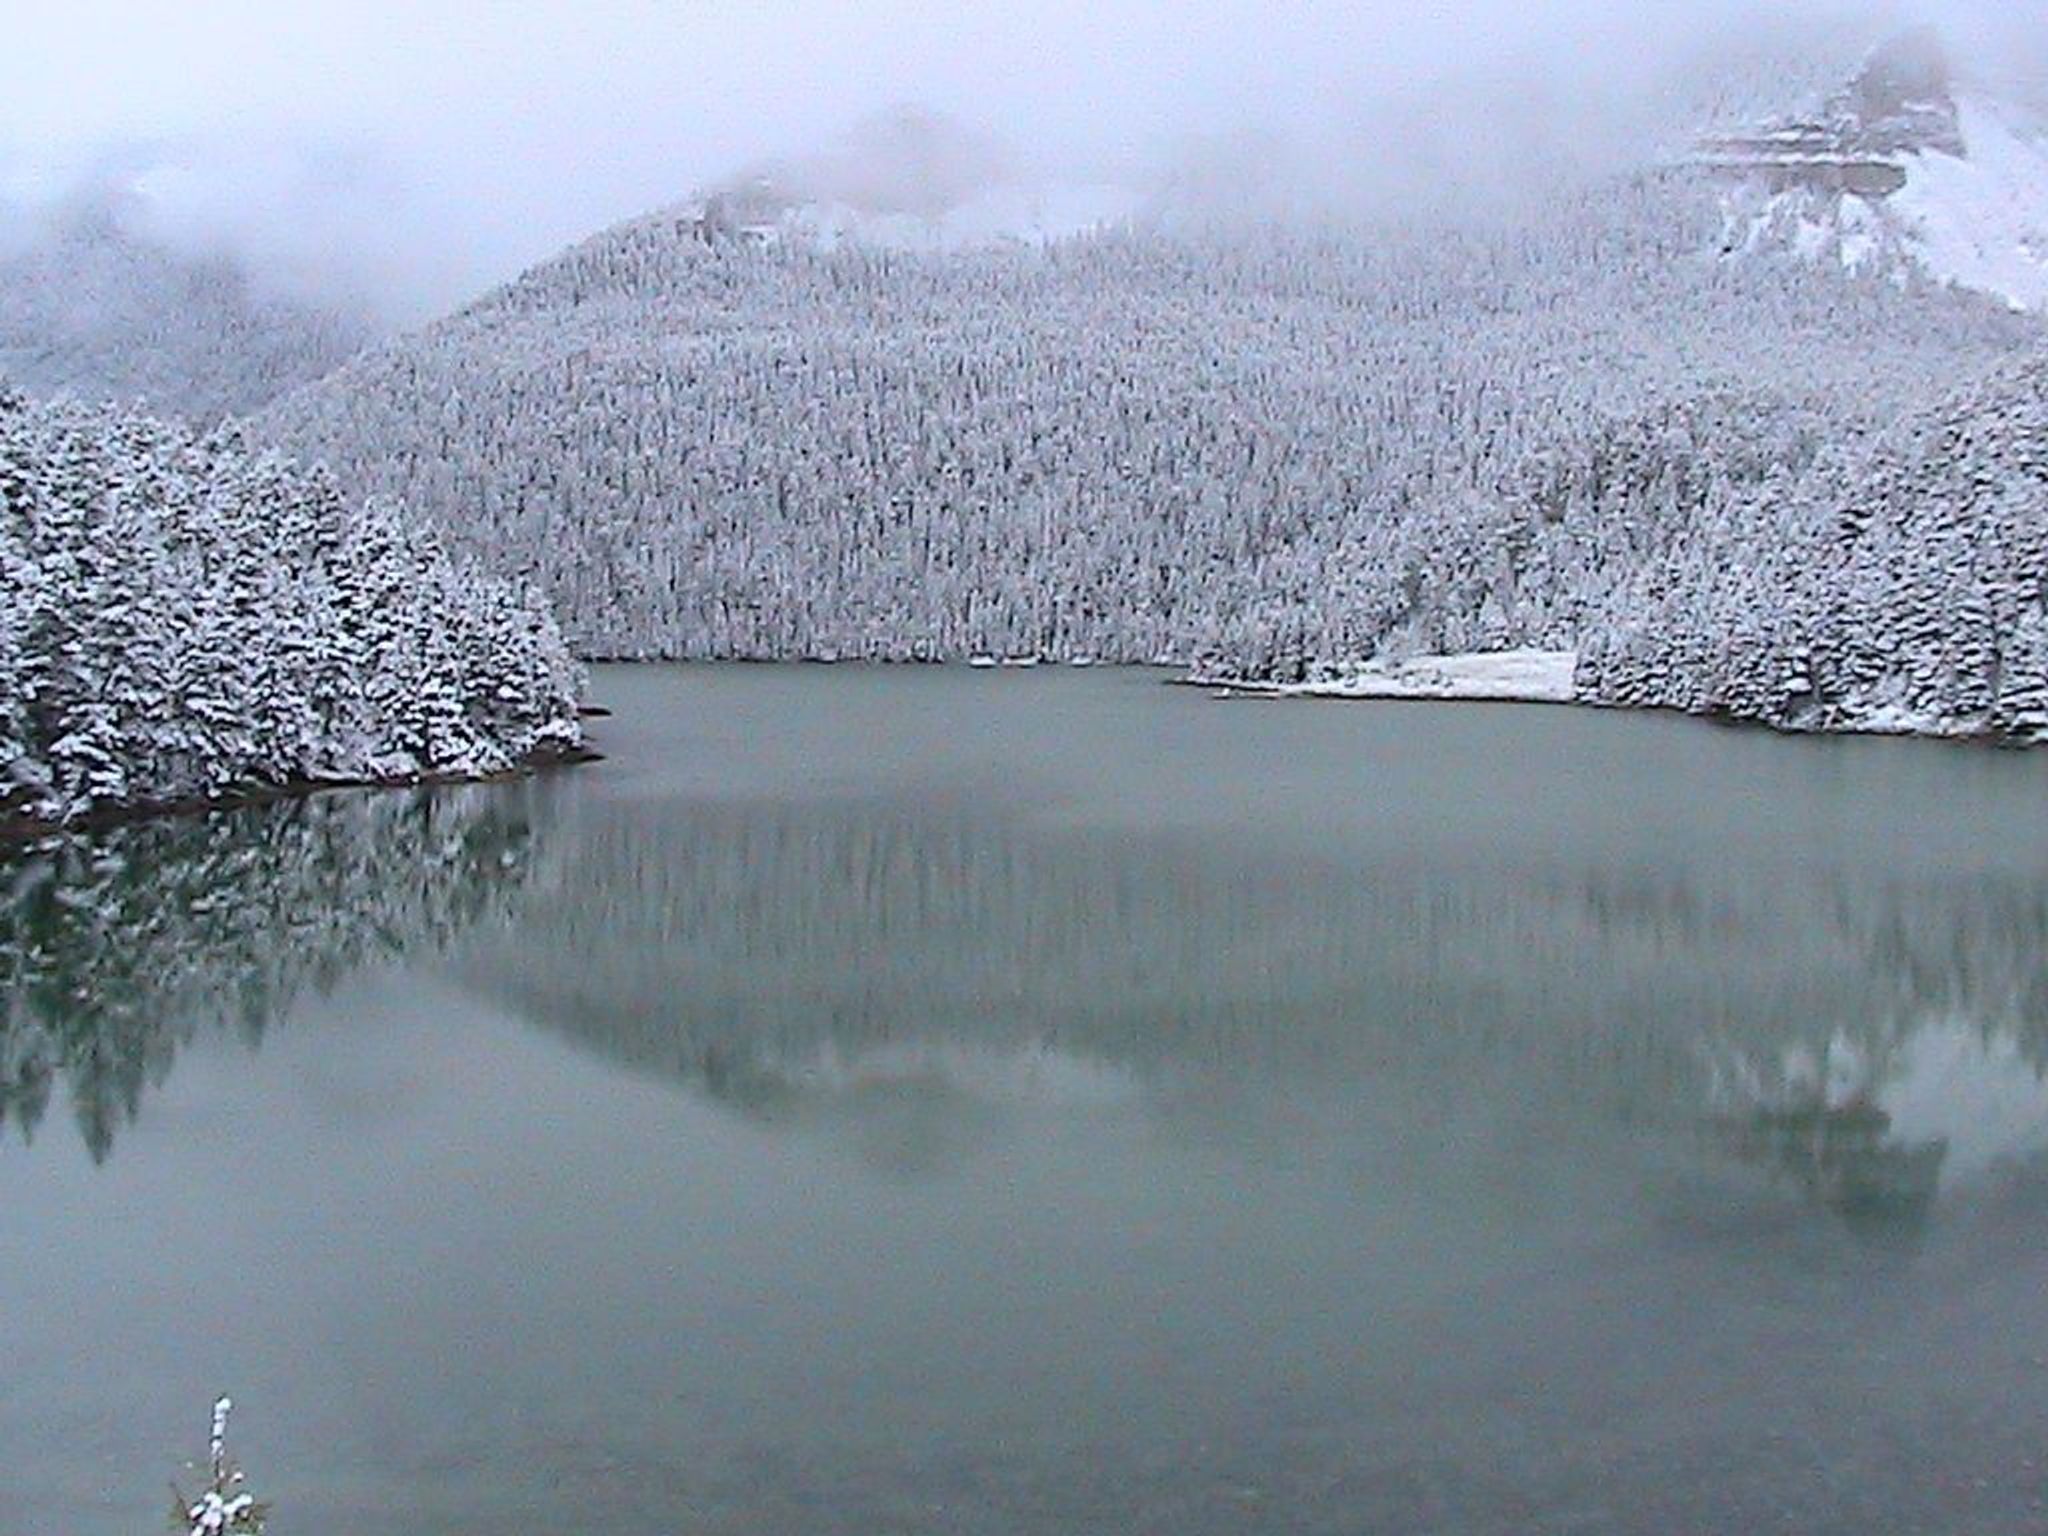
1545	677
1496	677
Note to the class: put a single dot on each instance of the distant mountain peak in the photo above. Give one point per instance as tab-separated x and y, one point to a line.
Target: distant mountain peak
93	307
1903	101
908	161
1906	168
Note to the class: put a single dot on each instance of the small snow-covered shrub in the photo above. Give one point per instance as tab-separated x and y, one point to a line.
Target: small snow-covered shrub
183	618
223	1506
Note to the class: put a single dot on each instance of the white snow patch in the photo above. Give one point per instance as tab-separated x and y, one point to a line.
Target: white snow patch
1896	720
1527	677
1979	220
1013	214
1982	222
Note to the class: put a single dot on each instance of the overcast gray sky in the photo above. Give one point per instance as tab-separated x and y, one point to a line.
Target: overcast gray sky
435	146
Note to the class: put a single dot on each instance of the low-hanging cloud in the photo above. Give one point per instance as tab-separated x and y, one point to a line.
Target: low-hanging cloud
416	153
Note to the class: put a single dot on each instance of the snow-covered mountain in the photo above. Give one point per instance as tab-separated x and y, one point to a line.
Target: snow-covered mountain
1911	168
1268	451
908	180
758	426
91	308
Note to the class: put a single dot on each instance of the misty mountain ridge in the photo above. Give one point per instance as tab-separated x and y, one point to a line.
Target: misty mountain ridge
1915	166
90	307
875	402
907	179
1264	451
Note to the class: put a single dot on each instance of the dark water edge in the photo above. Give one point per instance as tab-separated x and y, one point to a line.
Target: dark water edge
1036	1102
30	831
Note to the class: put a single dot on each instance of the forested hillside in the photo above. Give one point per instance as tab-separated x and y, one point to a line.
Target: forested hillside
183	619
1900	583
1267	452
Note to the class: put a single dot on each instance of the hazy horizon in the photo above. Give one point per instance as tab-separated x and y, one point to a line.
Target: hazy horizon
410	161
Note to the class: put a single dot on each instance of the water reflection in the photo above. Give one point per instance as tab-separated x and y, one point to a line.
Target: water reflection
892	972
895	975
893	1101
116	948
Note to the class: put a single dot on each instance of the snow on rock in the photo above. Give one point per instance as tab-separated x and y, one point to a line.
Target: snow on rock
1905	171
1980	219
183	619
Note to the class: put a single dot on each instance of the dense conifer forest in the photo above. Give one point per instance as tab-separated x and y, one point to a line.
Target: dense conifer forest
186	619
1261	454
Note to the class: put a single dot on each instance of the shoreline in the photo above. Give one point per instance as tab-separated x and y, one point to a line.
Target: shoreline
1540	678
1482	677
1351	691
19	832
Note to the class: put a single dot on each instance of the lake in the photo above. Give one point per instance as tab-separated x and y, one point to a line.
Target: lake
930	1100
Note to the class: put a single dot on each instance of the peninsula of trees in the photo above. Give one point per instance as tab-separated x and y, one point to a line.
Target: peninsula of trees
185	620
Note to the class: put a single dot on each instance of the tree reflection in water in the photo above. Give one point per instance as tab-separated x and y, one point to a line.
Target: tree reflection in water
887	969
117	948
822	964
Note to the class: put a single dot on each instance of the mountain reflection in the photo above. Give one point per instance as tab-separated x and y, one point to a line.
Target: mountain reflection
115	950
860	964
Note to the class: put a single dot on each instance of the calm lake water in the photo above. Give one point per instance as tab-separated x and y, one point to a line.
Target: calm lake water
942	1101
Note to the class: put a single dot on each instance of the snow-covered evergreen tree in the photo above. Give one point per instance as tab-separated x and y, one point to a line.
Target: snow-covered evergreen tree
185	619
1900	583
